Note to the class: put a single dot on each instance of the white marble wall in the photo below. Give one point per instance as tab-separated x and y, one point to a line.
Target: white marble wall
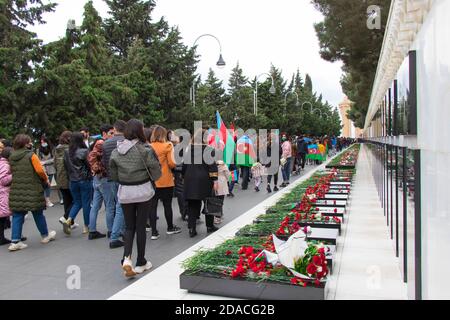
433	60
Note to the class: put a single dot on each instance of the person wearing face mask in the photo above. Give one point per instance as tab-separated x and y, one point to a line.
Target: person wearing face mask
27	192
45	154
287	158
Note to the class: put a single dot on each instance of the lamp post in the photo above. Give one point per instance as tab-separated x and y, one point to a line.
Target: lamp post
310	106
272	90
220	63
285	100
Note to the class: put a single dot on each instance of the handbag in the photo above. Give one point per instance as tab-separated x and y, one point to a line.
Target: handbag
213	205
137	194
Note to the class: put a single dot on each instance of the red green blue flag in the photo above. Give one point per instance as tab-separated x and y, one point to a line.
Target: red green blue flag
225	141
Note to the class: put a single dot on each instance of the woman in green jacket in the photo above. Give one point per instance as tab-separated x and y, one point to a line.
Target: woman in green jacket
27	192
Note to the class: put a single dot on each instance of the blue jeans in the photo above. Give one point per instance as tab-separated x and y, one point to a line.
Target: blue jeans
47	191
18	219
82	195
98	185
114	214
286	170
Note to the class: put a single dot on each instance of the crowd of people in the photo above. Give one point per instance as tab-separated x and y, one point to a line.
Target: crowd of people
127	169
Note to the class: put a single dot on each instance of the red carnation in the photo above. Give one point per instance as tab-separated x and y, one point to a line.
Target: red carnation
317	260
311	268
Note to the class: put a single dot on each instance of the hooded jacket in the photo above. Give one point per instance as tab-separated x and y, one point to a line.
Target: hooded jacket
134	163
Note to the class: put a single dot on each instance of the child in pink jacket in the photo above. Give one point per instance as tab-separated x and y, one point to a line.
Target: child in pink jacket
5	182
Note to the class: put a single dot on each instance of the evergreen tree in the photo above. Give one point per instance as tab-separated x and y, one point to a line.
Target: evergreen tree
239	108
308	84
129	20
344	36
19	53
93	41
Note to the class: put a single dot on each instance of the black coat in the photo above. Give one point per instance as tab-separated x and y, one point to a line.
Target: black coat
302	146
198	178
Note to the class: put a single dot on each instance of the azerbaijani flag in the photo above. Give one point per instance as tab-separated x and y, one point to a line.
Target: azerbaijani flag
245	152
212	141
225	140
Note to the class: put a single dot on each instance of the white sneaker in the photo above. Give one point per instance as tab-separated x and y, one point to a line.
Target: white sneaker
62	220
142	269
74	226
50	204
17	246
61	201
85	229
51	236
127	267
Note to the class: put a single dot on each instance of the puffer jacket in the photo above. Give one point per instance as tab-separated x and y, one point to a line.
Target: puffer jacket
5	183
62	179
131	160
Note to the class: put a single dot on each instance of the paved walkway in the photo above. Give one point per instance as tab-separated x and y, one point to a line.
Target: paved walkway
43	271
367	266
164	283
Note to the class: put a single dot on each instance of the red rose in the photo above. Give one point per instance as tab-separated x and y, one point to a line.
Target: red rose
248	251
242	250
321	250
228	253
294	280
317	282
304	284
317	209
335	210
311	268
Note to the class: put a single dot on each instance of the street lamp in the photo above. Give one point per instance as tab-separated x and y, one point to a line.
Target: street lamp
272	90
220	63
320	112
307	103
292	92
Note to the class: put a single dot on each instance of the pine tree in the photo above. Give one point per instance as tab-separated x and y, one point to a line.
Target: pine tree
130	20
19	53
92	40
308	84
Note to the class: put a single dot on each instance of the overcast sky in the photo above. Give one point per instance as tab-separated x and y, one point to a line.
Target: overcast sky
254	32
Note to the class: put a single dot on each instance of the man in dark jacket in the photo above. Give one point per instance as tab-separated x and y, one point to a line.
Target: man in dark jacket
302	151
114	214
